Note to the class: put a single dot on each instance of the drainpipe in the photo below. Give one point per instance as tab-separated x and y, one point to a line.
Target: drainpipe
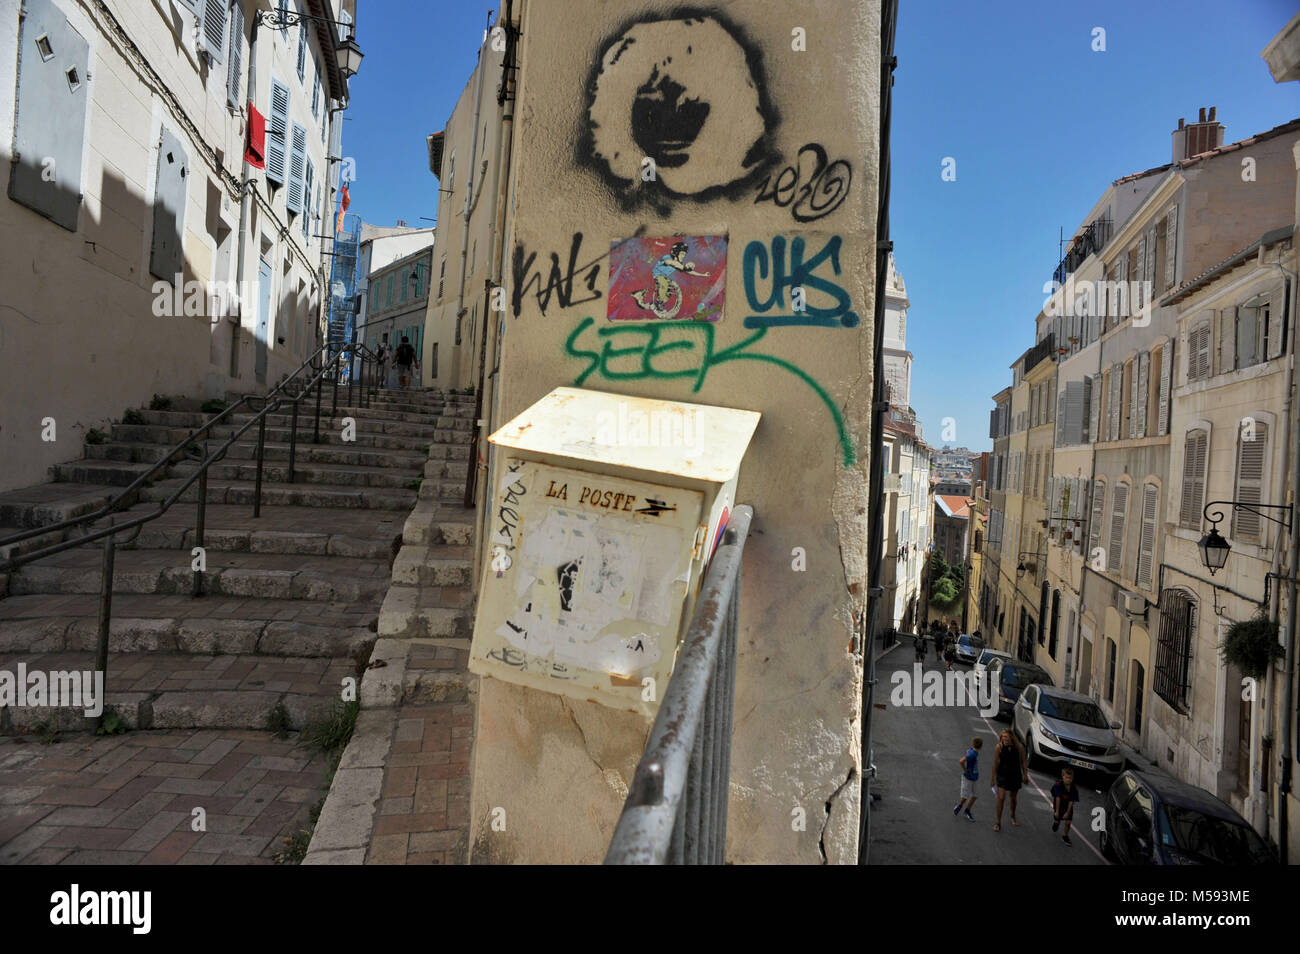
875	480
1286	711
469	188
494	321
245	197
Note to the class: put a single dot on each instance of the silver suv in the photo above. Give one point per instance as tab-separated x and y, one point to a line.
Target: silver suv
1065	727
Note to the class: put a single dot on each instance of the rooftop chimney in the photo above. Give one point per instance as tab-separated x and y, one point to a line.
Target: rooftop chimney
1192	139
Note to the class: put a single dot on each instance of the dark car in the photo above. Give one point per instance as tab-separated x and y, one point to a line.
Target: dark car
1010	677
968	648
1156	820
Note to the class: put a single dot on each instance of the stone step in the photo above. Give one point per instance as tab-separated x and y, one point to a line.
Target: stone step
374	413
432	523
341	475
307	425
170	437
426	611
301	495
433	489
330	454
243	575
433	566
30	545
107	473
206	624
189	691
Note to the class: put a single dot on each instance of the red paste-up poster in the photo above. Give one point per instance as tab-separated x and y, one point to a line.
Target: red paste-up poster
682	277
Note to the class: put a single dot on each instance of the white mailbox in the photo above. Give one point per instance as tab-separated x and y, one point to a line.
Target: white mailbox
605	513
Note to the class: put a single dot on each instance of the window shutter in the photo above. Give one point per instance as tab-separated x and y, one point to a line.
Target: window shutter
1251	458
1133	368
1171	244
1247	334
297	160
1227	343
302	50
315	88
1094	522
1139	294
1198	352
1143	389
234	67
1119	508
1275	324
1166	372
1147	539
1072	410
1091	409
277	129
1150	267
1194	450
308	182
213	17
345	24
166	254
1116	392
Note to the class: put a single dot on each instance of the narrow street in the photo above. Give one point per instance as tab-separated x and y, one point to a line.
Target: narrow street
916	753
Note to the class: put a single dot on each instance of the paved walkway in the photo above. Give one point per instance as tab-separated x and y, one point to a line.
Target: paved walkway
132	798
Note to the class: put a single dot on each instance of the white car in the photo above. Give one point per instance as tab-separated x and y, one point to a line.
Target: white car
986	658
1060	726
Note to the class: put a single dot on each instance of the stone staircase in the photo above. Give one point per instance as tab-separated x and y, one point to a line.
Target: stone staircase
293	601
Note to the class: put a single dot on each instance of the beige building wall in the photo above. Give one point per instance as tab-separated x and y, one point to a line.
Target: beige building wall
559	769
83	333
462	257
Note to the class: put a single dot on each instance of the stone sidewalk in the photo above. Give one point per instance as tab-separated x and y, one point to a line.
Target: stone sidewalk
131	798
401	793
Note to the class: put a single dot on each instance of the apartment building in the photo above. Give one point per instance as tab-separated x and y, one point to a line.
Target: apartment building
906	459
396	303
995	584
133	238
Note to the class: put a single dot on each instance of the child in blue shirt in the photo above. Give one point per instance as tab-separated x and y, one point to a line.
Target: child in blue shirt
1065	795
970	773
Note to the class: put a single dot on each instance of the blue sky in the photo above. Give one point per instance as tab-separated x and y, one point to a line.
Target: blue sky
1039	125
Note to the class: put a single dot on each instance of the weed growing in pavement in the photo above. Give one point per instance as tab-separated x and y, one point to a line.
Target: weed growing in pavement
96	436
277	721
160	403
47	733
132	416
112	724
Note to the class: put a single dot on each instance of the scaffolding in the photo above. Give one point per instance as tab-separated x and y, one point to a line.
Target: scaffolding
343	285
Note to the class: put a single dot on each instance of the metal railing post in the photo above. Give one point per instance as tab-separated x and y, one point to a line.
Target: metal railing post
334	405
261	453
197	589
293	438
105	614
352	374
320	381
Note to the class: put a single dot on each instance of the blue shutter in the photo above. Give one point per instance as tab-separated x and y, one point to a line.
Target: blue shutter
277	128
235	65
308	183
297	161
166	258
302	49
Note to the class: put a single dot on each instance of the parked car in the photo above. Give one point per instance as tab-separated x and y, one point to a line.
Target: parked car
1010	677
968	648
987	656
1065	727
1157	820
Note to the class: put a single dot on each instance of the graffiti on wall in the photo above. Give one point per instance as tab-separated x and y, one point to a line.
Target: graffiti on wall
560	280
677	107
813	186
664	278
816	300
676	350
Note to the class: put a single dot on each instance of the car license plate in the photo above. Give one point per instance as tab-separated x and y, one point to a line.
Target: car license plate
1082	764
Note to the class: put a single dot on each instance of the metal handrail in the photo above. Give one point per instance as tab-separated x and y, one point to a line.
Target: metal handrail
676	807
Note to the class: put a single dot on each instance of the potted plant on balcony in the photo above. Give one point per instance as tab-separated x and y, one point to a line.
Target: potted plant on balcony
1252	645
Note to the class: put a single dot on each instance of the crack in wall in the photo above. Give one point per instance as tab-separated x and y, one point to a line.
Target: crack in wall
821	836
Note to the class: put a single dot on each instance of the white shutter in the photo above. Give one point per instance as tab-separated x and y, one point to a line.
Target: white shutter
1251	458
1247	337
1133	368
1227	343
1094	408
1198	356
1166	373
1143	388
1094	522
1151	259
1193	500
302	49
315	89
297	161
1139	295
1118	513
277	131
308	182
1116	393
1275	324
1171	244
1147	537
235	64
213	16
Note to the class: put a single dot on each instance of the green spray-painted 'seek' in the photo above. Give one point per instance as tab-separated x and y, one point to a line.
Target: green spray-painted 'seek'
689	340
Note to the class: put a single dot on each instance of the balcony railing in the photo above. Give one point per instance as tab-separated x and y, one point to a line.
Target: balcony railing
676	808
1091	238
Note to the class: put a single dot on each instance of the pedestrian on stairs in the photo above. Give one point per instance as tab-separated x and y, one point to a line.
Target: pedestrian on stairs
403	359
381	354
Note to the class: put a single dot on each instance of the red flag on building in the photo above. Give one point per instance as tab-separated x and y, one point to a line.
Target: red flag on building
345	200
255	150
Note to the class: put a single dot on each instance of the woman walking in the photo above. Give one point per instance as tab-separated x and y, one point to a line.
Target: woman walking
1009	771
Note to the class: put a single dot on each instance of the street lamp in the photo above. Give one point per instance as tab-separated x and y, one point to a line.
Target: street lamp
1214	548
349	58
347	53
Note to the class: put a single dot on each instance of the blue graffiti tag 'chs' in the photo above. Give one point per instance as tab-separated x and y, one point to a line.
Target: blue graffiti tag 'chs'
775	274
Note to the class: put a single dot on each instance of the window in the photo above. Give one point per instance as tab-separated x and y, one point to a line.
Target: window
1195	449
442	275
315	88
297	169
1256	338
1252	446
1110	670
1174	648
1118	516
302	50
390	290
403	278
451	171
235	61
1139	678
166	258
1147	535
433	362
307	191
1056	623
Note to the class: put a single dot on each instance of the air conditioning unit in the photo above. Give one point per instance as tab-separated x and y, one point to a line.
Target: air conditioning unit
1135	604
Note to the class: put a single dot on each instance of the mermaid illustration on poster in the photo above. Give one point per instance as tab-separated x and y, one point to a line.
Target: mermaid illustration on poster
665	278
